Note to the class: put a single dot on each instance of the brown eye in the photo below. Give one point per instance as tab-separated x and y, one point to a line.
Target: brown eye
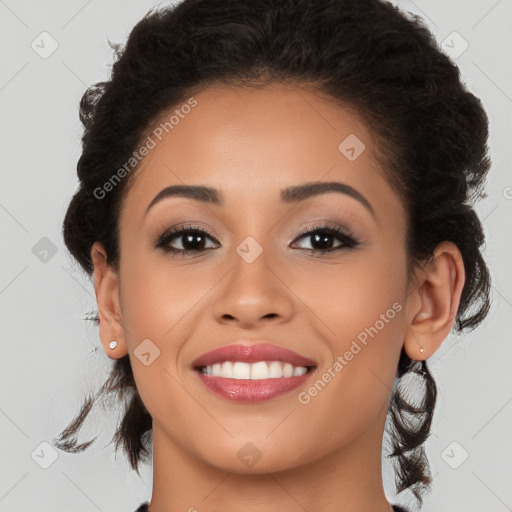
322	239
189	240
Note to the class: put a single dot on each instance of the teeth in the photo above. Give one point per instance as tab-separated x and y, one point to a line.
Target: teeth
288	370
254	371
275	370
300	370
241	370
259	370
222	370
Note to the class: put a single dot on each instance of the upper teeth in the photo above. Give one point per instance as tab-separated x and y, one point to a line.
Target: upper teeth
255	371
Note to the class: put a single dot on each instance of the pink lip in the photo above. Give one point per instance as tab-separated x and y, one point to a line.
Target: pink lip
248	390
252	353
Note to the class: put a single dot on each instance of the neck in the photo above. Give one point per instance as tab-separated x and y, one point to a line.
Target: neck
348	480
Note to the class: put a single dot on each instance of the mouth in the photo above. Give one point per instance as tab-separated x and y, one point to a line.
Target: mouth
252	373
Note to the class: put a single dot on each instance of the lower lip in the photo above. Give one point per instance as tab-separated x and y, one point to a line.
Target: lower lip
248	390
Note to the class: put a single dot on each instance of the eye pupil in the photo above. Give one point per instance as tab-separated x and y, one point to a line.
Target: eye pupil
322	238
189	239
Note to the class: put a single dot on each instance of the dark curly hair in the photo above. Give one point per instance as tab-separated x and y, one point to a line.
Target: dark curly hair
430	132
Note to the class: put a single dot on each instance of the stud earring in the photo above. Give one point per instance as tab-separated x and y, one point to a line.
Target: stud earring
113	344
421	350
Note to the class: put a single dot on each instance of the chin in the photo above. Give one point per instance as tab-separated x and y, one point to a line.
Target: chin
246	455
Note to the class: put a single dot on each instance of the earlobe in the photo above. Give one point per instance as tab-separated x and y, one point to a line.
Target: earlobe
434	303
106	286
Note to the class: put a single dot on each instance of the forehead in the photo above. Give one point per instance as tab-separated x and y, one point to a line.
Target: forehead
251	142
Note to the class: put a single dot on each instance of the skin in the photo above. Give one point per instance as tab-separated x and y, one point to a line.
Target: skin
321	456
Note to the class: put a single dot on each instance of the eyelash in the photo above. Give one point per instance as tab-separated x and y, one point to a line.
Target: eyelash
349	240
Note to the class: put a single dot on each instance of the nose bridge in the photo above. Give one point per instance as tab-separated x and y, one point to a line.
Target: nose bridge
253	238
252	265
256	249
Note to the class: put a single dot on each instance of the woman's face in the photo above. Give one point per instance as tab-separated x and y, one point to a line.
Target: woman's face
253	275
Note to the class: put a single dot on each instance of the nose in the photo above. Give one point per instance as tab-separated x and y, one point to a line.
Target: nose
253	293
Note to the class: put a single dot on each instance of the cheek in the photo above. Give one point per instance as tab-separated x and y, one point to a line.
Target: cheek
361	308
160	303
157	299
346	298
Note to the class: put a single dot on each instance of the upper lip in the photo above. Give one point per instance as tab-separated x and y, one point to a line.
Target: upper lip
250	352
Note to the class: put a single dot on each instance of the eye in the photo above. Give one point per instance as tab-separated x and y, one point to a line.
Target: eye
191	239
186	240
322	239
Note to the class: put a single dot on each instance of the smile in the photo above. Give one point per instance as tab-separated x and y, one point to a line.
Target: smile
252	372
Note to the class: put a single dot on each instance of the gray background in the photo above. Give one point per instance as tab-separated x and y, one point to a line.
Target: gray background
51	356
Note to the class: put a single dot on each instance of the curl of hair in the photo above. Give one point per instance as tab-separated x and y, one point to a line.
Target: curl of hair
430	135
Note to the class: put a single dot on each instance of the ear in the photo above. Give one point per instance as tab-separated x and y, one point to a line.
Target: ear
106	286
433	302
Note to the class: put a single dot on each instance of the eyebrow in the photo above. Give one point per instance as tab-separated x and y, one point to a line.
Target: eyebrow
291	194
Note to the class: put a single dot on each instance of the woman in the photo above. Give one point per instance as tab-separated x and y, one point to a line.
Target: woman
273	202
